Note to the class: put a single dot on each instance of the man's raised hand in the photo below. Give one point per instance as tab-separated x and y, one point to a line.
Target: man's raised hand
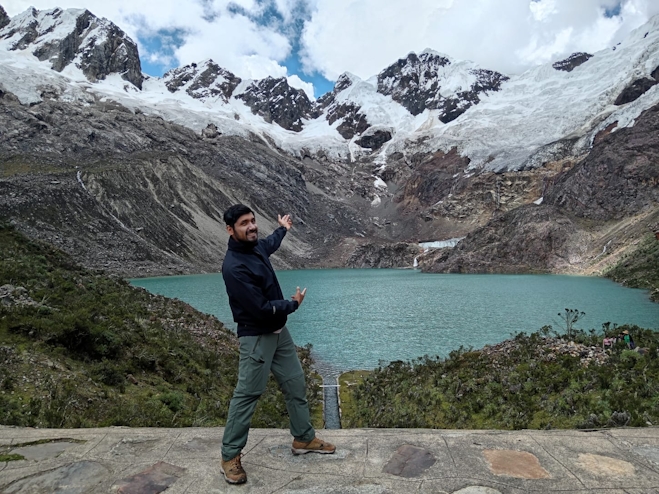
299	295
285	221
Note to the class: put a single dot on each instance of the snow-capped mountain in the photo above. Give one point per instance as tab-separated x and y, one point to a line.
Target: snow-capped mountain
436	82
421	103
202	81
73	38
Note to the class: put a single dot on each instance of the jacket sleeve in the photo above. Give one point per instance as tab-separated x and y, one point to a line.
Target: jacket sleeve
241	281
272	242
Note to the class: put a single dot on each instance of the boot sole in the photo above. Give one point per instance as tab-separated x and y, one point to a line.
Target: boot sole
305	451
233	482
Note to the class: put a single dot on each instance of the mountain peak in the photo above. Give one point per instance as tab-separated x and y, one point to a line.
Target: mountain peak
202	80
276	101
434	81
74	38
4	18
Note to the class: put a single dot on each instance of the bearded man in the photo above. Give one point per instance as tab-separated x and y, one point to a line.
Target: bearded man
260	310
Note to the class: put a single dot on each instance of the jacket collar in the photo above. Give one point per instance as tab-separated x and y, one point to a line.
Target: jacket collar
240	246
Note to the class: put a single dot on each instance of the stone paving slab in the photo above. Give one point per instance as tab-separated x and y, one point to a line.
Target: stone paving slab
367	461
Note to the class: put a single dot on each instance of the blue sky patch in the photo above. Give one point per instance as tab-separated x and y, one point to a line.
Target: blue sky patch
613	12
161	48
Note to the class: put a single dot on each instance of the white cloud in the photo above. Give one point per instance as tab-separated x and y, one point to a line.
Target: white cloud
296	82
365	36
236	43
208	29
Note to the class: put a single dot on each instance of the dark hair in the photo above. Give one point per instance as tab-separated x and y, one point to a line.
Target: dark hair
232	214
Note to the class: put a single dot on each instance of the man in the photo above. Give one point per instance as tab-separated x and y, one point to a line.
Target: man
260	310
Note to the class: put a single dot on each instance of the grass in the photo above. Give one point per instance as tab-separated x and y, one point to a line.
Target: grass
522	388
93	351
640	268
346	381
10	457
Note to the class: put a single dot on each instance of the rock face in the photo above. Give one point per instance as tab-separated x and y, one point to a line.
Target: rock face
527	239
572	62
139	196
430	80
635	90
397	255
617	182
4	18
202	81
96	46
354	122
618	179
432	181
375	140
277	102
343	82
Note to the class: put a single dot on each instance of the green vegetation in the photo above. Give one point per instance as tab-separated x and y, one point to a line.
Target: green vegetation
640	268
530	382
347	381
81	349
8	457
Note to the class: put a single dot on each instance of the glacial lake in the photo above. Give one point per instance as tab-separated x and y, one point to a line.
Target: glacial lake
359	318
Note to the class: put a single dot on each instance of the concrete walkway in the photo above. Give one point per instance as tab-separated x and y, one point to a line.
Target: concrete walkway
145	461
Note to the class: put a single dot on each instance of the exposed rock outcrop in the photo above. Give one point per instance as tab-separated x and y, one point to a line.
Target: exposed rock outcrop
4	18
375	140
617	181
396	255
96	46
202	81
572	62
635	90
277	102
137	195
434	179
527	239
354	122
16	296
426	81
343	82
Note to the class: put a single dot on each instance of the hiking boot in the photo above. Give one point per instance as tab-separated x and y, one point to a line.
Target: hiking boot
314	446
233	471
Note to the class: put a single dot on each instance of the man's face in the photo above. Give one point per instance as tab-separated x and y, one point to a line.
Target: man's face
245	229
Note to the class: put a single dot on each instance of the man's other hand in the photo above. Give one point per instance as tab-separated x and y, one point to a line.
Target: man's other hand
299	296
285	221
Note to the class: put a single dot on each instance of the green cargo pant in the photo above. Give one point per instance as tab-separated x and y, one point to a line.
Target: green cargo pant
258	356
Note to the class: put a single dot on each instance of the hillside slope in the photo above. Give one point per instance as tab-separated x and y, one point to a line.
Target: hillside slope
81	349
590	216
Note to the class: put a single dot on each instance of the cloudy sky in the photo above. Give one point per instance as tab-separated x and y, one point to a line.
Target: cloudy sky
312	42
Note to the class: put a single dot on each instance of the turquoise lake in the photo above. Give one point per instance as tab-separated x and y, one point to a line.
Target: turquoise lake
357	318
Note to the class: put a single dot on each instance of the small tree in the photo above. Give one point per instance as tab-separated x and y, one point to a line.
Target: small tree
570	317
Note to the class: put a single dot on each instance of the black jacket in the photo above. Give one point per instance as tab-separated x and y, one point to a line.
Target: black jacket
255	297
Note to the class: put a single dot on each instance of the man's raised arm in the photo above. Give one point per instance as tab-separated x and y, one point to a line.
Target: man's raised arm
273	241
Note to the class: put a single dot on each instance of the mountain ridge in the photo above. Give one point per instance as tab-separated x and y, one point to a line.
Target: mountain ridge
134	180
427	96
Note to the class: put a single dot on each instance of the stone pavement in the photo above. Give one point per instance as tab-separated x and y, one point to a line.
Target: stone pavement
367	461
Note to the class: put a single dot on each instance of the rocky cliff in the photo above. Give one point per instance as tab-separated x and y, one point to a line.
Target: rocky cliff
137	195
425	81
62	37
600	207
202	81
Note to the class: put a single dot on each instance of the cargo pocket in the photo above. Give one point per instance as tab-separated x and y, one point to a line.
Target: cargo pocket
257	352
252	374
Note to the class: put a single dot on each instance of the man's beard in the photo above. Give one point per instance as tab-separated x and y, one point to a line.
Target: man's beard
251	243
